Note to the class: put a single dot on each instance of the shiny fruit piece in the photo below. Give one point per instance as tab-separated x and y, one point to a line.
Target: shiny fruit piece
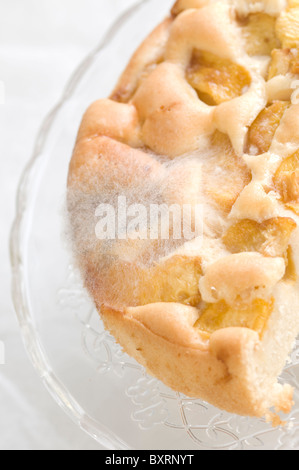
286	182
283	61
221	315
270	238
262	131
291	272
287	27
216	80
174	280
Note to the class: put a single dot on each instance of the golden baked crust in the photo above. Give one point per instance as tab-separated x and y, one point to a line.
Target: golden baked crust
204	114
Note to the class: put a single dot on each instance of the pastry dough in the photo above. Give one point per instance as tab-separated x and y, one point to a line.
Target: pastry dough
202	116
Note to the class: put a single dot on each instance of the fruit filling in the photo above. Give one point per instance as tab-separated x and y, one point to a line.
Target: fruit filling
270	238
221	315
287	26
286	182
258	30
216	80
262	130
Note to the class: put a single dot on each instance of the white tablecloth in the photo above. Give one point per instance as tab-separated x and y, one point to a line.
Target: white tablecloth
41	43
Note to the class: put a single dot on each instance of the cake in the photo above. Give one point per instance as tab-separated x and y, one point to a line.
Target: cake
204	122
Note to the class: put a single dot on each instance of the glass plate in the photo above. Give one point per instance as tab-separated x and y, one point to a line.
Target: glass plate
105	392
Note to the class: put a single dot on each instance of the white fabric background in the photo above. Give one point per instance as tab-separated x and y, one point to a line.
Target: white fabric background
41	44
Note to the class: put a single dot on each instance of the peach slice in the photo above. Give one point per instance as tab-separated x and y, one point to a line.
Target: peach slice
286	181
283	61
174	280
220	315
270	238
216	80
287	27
263	129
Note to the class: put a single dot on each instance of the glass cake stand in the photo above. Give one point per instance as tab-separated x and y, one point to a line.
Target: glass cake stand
101	389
